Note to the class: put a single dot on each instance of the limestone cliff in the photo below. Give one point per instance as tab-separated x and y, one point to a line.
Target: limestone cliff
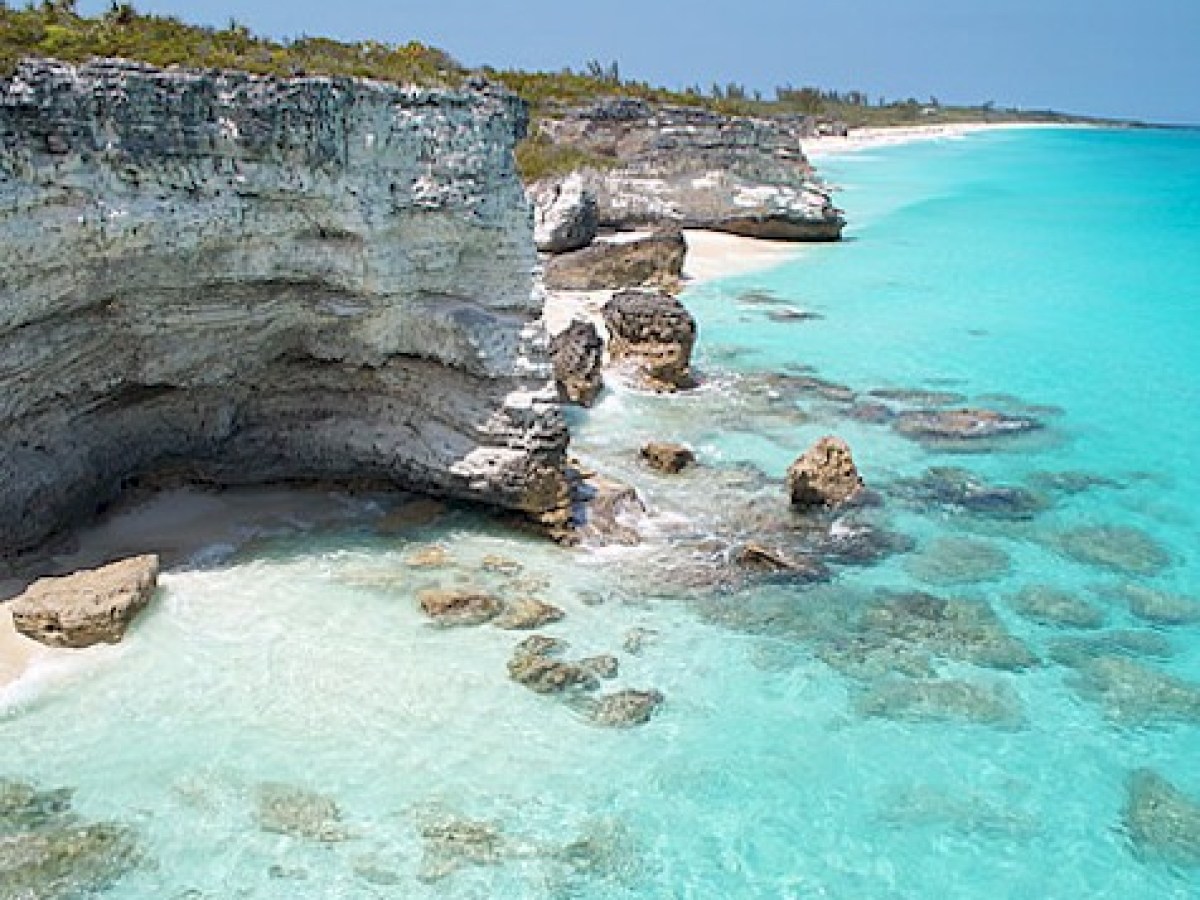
698	169
247	279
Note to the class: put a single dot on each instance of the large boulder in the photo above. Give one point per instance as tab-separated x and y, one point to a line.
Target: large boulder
578	354
653	333
825	476
651	260
667	457
87	607
564	214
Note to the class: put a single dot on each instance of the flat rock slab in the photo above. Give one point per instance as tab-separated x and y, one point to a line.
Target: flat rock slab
87	607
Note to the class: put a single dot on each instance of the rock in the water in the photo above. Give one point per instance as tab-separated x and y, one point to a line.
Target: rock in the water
637	639
1077	652
962	425
429	556
943	701
544	674
501	565
624	709
918	396
963	630
578	354
298	812
87	607
269	279
603	665
1052	606
954	561
655	260
761	558
564	214
1162	821
1135	694
528	613
452	842
667	457
540	645
604	512
1121	548
458	606
958	490
653	334
1160	607
824	476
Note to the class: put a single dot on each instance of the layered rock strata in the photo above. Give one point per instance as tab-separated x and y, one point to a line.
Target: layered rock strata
651	334
246	279
653	260
698	169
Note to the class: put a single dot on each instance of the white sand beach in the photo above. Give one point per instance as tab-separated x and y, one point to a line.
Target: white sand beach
860	139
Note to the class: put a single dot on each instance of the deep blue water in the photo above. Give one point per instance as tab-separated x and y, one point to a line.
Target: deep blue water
1053	274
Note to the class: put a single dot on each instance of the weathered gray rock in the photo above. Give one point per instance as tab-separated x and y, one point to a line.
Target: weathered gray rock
667	457
1053	606
88	607
1162	821
958	426
824	476
564	214
699	169
652	334
578	354
1119	548
252	279
655	260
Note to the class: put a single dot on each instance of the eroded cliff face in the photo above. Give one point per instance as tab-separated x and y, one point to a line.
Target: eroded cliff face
699	169
247	279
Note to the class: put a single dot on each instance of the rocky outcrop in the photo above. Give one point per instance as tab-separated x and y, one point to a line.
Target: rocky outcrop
651	334
824	476
564	214
654	260
88	607
578	355
246	279
667	457
454	607
698	169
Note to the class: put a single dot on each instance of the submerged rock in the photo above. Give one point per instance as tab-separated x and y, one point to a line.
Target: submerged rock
943	701
953	561
578	356
965	811
962	425
564	214
918	396
957	489
539	671
873	657
963	630
429	556
458	606
603	665
604	512
1121	548
1135	694
652	334
1079	651
416	513
452	842
1159	607
655	260
298	812
541	645
1161	820
624	709
1048	605
759	557
666	457
871	413
88	607
824	476
528	613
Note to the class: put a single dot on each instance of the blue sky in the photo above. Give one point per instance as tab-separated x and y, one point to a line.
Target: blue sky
1135	58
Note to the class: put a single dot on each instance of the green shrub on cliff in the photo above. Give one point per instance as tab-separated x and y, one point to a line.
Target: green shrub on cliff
539	157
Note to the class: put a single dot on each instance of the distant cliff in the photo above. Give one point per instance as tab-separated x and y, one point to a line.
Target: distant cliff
246	279
652	163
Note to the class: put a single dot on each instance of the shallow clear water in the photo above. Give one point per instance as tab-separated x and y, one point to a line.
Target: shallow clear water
1061	268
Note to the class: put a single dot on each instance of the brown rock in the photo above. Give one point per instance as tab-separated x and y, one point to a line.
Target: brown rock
458	607
429	556
627	708
667	457
825	476
655	260
578	356
653	333
528	613
761	558
546	675
87	607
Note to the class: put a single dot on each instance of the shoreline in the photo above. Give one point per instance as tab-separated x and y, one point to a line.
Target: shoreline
861	139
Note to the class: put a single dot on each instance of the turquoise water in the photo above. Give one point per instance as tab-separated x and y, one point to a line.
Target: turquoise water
1051	273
